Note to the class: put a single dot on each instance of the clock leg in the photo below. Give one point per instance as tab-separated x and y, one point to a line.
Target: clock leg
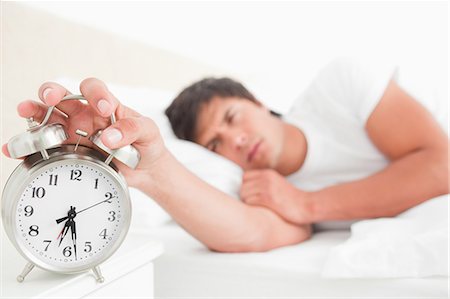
25	271
109	159
98	274
44	154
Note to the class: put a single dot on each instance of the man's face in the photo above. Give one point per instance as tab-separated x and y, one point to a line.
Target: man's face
243	131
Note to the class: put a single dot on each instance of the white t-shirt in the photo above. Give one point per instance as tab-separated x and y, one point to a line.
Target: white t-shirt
332	113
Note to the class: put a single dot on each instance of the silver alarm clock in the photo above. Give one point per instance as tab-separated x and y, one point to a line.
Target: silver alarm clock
66	208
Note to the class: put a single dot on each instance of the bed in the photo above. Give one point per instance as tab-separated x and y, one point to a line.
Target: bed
187	268
404	256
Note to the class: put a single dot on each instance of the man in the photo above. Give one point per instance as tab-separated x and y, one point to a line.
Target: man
358	144
401	163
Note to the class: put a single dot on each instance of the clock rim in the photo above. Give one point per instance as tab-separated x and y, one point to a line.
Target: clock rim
19	179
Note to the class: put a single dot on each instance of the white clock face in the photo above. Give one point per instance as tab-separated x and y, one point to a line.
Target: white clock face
70	214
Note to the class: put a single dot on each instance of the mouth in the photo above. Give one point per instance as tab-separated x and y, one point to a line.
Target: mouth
253	151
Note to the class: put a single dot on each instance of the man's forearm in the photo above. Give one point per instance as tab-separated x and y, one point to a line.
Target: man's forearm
405	183
217	220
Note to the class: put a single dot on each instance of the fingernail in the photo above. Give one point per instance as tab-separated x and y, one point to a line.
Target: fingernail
104	107
5	150
46	92
112	136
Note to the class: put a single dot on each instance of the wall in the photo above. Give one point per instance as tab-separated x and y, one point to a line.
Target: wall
276	46
37	46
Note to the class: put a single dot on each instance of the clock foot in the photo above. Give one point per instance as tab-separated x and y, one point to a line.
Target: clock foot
98	274
25	271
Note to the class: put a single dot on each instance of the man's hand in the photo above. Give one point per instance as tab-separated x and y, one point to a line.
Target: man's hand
270	189
131	127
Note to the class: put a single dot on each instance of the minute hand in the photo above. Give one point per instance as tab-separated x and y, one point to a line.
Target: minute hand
64	218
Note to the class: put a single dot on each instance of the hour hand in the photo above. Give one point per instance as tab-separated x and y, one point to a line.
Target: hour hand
58	221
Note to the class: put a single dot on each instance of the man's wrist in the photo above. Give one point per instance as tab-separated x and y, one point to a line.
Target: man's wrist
309	206
151	177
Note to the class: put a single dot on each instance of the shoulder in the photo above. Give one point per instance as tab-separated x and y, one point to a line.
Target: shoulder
354	68
354	84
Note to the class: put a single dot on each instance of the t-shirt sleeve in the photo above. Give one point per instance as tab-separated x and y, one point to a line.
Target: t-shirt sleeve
355	85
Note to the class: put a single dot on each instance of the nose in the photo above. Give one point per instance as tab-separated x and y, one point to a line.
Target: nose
233	139
240	139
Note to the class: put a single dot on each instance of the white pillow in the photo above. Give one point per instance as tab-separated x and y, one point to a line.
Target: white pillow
212	168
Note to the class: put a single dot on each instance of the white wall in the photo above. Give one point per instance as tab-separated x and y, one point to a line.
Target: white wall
276	47
37	46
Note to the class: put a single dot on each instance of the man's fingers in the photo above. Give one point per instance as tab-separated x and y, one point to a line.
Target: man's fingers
37	111
138	130
251	174
253	200
103	101
123	111
99	97
5	150
95	92
245	194
52	93
249	189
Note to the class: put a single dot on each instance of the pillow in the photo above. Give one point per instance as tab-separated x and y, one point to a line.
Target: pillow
413	244
152	102
202	162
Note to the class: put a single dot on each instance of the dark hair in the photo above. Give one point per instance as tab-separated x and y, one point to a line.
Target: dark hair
184	109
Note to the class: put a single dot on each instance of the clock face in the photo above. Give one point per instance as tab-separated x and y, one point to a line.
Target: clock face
70	215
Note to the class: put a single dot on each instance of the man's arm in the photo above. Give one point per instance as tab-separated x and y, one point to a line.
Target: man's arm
220	222
408	135
217	220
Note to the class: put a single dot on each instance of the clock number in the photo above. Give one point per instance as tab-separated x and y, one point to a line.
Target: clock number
38	192
87	247
75	175
103	234
34	230
96	184
113	216
28	211
53	179
108	196
67	251
48	244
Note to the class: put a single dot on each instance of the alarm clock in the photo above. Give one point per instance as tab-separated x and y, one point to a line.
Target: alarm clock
66	208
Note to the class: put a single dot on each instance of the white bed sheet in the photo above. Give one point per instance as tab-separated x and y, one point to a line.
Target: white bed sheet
188	269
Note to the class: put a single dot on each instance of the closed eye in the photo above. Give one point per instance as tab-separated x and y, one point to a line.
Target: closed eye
230	118
212	146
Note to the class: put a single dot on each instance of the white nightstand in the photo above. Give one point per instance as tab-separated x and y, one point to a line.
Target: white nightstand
128	274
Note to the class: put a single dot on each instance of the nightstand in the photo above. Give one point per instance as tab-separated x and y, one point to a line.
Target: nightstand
128	274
